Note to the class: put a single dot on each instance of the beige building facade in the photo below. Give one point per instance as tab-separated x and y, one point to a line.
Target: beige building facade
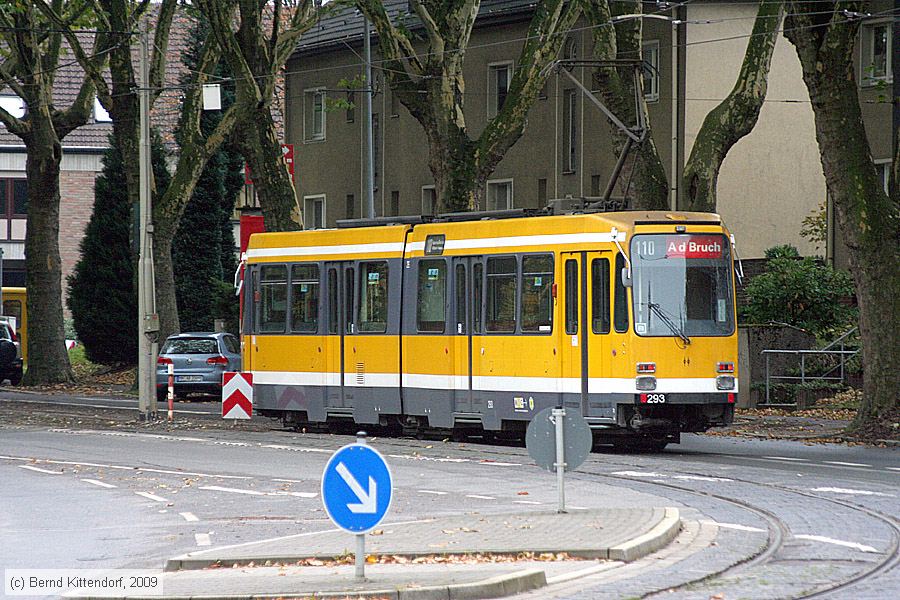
770	182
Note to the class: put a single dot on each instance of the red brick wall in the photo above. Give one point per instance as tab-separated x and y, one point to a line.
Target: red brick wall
75	206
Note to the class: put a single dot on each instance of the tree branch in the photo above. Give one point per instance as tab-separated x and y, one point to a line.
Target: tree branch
395	45
160	45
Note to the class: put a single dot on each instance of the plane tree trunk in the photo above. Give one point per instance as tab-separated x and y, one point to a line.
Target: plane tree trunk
431	86
736	115
869	220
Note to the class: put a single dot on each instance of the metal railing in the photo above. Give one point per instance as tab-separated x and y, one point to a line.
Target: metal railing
842	356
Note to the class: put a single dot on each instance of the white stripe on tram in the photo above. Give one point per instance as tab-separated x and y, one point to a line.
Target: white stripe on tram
486	383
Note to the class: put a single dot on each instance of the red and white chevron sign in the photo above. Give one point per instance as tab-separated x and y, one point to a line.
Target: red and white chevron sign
237	395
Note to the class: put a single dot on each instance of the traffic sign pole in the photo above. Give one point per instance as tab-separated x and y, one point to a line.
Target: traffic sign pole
558	415
361	537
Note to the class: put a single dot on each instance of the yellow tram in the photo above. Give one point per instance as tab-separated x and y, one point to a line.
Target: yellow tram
480	320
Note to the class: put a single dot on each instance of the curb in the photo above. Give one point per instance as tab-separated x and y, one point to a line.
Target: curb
493	587
661	534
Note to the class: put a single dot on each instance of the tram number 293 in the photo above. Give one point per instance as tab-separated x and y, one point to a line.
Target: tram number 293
656	398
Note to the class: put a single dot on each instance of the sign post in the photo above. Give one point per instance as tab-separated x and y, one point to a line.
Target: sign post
351	506
237	395
559	440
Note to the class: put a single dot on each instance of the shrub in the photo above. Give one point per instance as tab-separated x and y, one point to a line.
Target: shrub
802	292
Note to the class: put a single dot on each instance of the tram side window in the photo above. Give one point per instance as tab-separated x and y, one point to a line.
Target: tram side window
272	298
571	297
621	309
477	283
432	296
304	298
501	294
373	297
537	293
333	314
600	299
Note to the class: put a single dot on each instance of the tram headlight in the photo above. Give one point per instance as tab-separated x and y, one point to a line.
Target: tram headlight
725	382
645	383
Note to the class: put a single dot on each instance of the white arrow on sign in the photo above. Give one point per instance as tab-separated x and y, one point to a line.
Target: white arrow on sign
367	502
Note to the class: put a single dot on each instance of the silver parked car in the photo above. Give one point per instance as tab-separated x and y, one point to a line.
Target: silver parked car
199	359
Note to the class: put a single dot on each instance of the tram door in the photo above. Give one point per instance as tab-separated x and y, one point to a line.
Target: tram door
339	284
574	342
466	294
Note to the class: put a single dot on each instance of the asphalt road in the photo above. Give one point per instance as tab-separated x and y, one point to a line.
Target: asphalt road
812	515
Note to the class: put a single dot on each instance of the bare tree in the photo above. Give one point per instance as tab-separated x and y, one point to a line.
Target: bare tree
622	41
256	52
430	84
30	52
824	34
736	115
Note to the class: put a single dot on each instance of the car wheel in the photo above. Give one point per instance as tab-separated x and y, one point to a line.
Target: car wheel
15	378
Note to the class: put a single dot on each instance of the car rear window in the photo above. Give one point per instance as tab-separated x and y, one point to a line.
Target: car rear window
190	346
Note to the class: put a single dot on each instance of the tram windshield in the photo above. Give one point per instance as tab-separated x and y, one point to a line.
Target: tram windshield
682	285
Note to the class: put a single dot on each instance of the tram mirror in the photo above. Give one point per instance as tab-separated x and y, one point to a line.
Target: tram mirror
626	277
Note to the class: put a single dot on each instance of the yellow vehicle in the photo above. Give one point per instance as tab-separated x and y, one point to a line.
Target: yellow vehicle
14	305
480	320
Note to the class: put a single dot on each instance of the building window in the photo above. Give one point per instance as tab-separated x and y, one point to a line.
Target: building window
13	105
884	174
500	194
350	207
876	53
376	149
314	212
429	199
13	208
651	70
570	130
570	50
314	111
100	114
351	107
395	104
395	203
542	192
499	76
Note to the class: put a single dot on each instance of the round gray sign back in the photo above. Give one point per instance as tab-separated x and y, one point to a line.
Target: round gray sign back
540	439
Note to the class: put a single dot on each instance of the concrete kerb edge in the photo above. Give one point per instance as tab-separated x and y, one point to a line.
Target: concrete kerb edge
660	535
492	587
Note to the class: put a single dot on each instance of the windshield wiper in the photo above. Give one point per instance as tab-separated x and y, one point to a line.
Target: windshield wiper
669	323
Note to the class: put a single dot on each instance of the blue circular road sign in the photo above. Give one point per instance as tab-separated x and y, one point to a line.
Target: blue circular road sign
356	488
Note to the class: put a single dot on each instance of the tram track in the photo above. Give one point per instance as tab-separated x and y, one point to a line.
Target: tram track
778	529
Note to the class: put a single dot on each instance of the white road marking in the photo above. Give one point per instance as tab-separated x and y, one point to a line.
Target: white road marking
202	539
189	517
701	478
851	492
573	507
787	458
525	502
735	526
223	443
150	496
123	467
828	540
498	464
289	480
218	488
295	448
477	497
637	474
433	492
102	484
39	470
893	468
845	464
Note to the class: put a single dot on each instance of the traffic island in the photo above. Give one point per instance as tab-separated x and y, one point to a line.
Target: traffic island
474	555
